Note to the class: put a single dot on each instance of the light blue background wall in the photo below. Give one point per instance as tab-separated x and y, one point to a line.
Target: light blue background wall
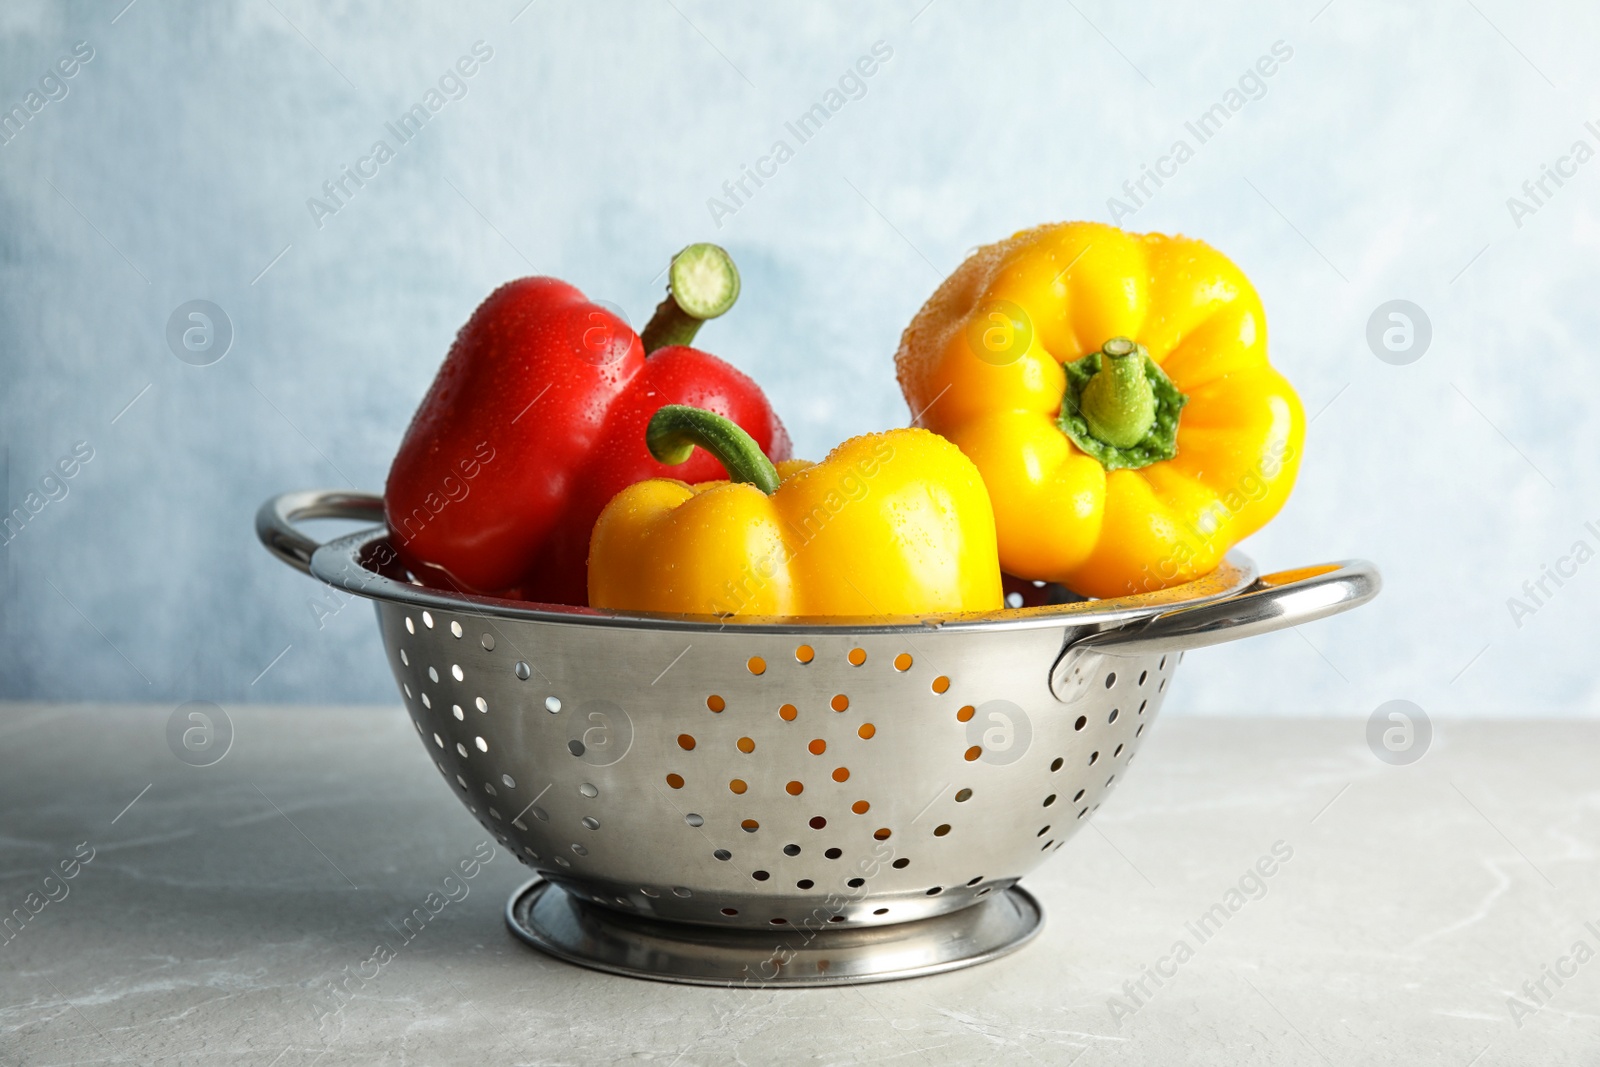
1376	166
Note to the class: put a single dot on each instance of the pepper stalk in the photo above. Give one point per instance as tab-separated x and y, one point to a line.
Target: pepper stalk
702	283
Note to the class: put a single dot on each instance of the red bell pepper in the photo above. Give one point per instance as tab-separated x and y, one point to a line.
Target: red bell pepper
537	419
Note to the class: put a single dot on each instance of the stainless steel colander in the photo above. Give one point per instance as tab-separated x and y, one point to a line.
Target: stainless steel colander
794	802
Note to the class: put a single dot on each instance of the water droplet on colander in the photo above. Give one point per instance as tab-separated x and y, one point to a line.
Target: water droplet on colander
695	819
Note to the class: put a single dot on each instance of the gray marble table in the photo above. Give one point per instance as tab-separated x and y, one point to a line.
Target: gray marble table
1424	914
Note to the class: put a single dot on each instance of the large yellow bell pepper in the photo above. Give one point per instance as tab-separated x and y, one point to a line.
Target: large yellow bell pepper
895	523
1114	391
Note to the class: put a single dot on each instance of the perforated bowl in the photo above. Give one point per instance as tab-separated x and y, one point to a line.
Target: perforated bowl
786	802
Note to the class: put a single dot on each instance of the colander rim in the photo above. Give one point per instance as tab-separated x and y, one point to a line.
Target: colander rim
339	563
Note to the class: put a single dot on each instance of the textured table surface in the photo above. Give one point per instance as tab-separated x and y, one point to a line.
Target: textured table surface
219	908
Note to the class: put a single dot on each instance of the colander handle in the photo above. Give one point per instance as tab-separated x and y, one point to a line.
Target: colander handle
1272	602
276	518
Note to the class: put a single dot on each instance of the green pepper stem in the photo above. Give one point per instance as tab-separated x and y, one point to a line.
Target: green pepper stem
1118	403
702	283
676	429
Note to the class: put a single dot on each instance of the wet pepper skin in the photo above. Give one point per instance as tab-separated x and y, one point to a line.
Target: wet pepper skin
1057	293
896	523
534	422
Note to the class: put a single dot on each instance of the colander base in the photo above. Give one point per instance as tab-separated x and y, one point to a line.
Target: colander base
555	922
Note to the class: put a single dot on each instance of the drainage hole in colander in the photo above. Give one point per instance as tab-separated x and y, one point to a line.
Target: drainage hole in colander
462	781
861	807
936	890
880	911
1162	688
975	881
1113	716
411	627
455	709
730	911
433	675
805	654
716	703
694	818
1162	665
407	688
791	850
882	833
963	796
756	665
966	713
1055	764
461	749
1142	676
984	891
1094	757
779	921
483	746
487	641
1081	723
522	671
942	829
575	747
438	740
1137	732
405	659
760	876
1077	796
745	744
482	705
804	883
856	883
972	754
1117	752
686	742
488	788
818	822
833	853
1049	800
832	919
532	855
857	657
749	826
738	785
588	790
1110	780
552	705
817	746
1111	679
788	712
540	814
647	891
902	662
901	864
1046	847
494	813
563	861
427	620
1082	813
579	849
675	781
457	673
867	731
840	702
723	854
1042	831
591	822
681	891
941	684
426	702
1142	705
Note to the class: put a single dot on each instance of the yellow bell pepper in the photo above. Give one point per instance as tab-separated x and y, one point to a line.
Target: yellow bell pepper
895	523
1114	391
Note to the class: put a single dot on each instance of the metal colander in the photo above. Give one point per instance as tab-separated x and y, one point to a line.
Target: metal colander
794	802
